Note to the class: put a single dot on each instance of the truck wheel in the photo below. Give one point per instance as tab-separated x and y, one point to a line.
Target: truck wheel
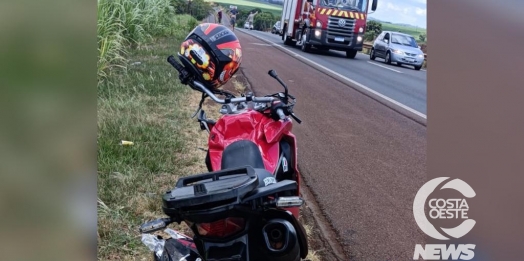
388	58
351	54
285	38
288	41
305	46
372	54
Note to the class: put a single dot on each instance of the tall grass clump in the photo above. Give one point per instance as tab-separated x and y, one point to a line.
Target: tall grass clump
124	24
148	106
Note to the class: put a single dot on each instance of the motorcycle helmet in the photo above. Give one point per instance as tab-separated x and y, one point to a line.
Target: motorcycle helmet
212	54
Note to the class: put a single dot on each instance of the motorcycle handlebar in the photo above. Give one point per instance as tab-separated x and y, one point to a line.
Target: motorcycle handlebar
281	114
171	60
233	100
184	75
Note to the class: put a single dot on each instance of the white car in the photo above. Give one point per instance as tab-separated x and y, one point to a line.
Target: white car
246	26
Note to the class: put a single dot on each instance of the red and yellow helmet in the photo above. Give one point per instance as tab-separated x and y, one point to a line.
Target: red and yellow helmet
212	54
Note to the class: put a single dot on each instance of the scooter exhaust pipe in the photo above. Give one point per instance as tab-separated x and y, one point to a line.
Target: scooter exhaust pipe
281	240
276	235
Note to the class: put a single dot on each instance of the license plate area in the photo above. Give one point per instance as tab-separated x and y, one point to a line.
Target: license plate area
339	39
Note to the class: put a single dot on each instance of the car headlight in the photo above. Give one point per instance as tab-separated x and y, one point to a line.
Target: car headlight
319	24
421	56
397	51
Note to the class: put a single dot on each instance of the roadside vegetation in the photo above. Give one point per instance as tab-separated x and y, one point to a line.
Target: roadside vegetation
267	15
249	4
414	31
140	100
263	21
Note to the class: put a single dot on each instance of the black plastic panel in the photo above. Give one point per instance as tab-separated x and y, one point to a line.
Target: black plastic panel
221	186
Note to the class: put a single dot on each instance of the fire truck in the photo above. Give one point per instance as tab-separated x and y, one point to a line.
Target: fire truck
326	24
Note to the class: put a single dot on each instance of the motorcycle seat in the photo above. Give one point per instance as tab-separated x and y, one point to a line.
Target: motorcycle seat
241	153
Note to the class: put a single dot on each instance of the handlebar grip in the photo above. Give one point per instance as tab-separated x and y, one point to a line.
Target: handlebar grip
296	118
281	114
171	60
183	74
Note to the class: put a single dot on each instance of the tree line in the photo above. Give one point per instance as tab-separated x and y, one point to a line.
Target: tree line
263	21
199	9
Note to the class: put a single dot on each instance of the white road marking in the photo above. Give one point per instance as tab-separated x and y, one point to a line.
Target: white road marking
403	106
262	44
385	67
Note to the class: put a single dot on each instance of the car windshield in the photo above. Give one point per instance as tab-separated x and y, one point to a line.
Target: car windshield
350	5
403	40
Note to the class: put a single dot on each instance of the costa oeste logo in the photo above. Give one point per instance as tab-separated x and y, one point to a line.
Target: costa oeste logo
444	209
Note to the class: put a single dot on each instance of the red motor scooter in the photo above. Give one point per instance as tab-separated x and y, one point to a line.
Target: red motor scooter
247	207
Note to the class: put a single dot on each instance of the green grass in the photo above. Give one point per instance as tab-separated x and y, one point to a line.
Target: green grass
140	100
125	23
415	32
149	107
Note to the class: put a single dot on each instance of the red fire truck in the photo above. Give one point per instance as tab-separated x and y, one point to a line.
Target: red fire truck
326	24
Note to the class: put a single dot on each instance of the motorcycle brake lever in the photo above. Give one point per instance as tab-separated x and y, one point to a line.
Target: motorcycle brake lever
296	118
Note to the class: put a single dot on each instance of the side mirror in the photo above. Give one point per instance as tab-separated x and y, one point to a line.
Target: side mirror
386	40
374	5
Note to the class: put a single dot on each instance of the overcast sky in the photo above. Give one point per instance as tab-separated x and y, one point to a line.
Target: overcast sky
401	11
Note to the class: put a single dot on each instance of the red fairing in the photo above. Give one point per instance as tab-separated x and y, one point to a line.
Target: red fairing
251	125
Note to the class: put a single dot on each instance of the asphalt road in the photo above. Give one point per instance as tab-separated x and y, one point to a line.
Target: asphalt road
402	84
363	161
